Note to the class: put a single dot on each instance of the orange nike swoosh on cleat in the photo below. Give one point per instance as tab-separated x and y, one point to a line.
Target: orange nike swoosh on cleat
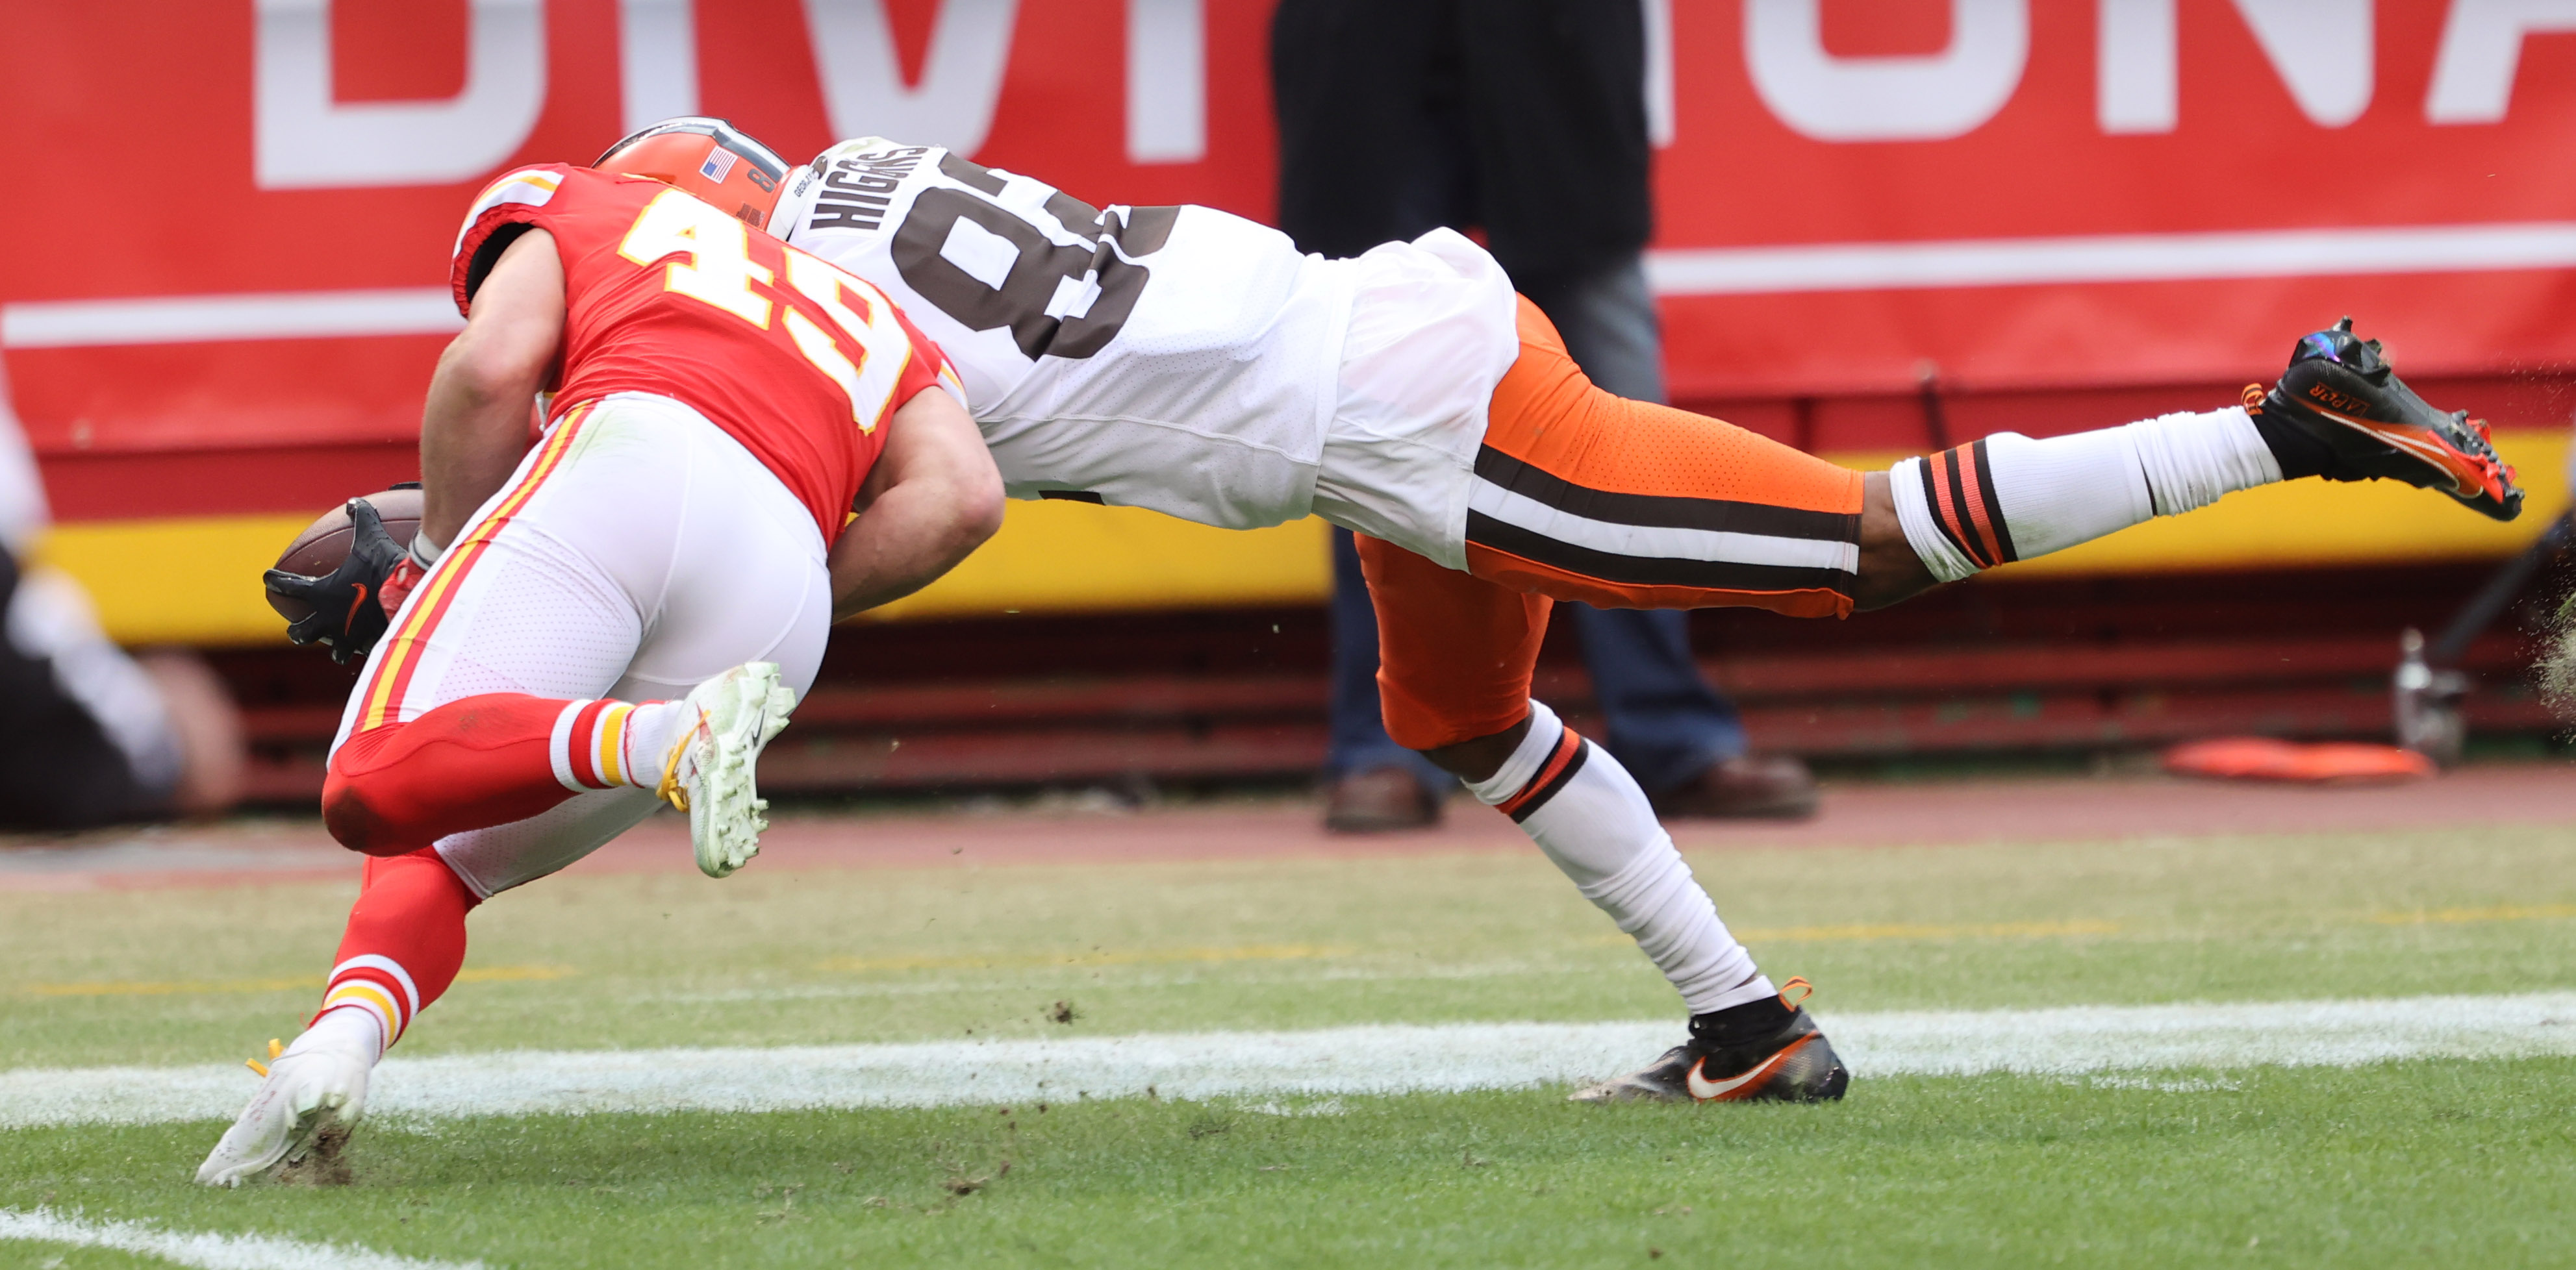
1707	1090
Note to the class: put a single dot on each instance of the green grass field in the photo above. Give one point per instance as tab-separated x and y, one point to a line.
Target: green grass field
2415	1162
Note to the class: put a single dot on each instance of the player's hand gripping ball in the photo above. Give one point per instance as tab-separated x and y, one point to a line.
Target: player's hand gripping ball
330	584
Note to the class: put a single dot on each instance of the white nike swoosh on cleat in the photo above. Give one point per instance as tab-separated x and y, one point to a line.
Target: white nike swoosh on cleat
1704	1089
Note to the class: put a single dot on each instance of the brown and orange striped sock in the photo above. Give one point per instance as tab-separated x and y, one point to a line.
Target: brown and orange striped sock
2008	497
1583	809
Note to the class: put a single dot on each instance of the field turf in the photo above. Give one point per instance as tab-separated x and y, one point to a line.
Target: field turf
2415	1162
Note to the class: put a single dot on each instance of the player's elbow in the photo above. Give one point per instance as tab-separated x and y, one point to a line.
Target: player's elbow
481	368
978	509
937	445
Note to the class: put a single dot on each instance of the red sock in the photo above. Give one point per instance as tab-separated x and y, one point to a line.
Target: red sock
470	764
405	942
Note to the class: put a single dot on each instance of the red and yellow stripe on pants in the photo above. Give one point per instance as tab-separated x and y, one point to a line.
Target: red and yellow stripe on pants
1579	494
398	658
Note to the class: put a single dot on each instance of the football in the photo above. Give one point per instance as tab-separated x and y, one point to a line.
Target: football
325	543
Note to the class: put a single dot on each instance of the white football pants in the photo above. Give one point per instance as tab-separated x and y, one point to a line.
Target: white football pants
653	552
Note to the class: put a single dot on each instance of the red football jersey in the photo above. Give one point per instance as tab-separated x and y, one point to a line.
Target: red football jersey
664	294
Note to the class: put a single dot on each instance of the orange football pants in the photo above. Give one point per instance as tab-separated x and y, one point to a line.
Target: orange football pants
1616	503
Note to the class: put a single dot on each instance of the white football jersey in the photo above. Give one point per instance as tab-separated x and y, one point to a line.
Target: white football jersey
1175	358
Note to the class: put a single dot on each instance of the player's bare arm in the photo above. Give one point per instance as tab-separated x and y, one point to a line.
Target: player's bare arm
933	497
1890	569
475	427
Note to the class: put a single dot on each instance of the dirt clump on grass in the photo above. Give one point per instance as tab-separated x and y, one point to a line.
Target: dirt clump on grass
327	1164
960	1184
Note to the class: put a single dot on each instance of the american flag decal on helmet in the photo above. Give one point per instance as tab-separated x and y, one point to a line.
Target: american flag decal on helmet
718	163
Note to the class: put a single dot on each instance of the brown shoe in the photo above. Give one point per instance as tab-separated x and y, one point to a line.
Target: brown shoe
1746	787
1379	800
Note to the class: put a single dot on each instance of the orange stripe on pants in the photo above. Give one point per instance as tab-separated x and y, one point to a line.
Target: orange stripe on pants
1548	414
1456	650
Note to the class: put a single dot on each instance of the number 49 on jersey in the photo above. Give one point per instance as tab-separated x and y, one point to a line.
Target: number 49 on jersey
720	272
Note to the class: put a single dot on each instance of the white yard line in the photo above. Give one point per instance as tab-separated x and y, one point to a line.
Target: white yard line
1349	1060
205	1249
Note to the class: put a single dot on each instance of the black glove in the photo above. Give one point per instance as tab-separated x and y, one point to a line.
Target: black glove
347	617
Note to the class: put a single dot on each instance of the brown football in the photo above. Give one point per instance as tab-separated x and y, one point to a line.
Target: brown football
325	543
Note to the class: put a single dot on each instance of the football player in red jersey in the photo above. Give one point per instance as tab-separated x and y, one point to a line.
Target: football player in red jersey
627	611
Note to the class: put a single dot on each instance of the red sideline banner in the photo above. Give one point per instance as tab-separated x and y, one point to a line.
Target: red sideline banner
231	221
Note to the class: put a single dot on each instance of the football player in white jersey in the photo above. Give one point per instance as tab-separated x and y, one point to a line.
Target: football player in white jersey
1193	362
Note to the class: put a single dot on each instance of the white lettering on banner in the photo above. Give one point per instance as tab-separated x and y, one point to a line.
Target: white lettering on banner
2322	49
1659	72
1925	98
657	60
961	76
2134	56
2481	49
1166	81
305	140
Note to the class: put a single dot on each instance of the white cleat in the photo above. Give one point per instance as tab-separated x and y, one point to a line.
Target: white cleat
709	773
313	1097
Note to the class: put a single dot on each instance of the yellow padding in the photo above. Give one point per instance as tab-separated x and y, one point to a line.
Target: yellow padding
196	581
184	581
1061	557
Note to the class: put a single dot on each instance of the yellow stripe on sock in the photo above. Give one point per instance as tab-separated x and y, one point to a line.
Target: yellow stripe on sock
366	996
612	736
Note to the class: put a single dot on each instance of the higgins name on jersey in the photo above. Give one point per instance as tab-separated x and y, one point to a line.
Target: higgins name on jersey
1174	358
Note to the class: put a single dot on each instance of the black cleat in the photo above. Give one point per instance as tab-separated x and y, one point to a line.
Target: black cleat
1768	1051
2352	419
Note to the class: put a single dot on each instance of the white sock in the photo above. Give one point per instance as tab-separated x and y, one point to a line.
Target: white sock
1584	810
349	1029
2008	497
650	730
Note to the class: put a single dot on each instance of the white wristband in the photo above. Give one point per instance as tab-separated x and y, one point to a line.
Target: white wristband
424	552
1914	515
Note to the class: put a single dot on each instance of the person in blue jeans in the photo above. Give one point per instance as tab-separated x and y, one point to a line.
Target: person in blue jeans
1525	120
